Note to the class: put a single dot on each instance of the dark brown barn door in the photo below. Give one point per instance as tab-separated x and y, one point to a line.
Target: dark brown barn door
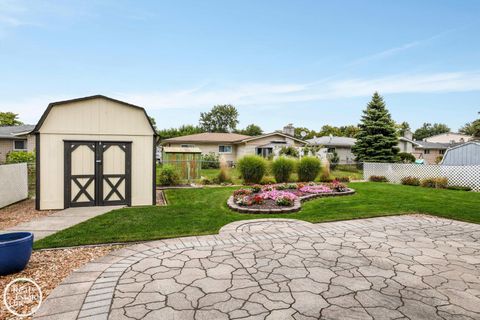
97	173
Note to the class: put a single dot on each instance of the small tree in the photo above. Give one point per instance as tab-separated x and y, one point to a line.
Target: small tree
428	130
406	157
334	159
222	118
251	130
9	119
377	139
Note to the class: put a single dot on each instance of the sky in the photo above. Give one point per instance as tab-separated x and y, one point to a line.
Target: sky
309	63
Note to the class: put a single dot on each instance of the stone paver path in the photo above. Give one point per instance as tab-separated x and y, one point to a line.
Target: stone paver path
406	267
45	226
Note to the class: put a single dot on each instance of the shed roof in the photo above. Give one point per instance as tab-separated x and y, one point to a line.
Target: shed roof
98	96
12	132
181	150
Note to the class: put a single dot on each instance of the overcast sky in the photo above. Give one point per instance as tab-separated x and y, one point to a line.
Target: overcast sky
308	63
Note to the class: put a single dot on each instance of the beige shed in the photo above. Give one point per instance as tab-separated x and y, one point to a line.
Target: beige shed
94	151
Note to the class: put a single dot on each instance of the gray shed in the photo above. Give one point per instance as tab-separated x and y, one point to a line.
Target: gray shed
463	155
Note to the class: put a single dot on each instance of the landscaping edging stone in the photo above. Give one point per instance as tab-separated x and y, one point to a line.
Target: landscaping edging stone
297	205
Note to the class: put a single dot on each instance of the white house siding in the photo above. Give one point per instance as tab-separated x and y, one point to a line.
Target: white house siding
96	120
467	154
249	147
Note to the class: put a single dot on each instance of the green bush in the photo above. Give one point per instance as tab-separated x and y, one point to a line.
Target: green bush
410	181
308	169
378	179
289	151
438	183
334	159
20	156
282	168
406	157
252	168
210	161
168	176
267	180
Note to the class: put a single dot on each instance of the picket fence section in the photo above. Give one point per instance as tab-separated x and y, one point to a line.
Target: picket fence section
465	176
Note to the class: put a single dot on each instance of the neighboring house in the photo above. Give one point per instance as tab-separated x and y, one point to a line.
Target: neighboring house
341	145
449	137
233	146
430	151
406	143
462	155
16	138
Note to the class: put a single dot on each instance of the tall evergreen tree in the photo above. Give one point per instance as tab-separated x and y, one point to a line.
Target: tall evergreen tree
377	138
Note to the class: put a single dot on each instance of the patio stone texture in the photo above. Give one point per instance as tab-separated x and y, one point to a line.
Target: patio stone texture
401	267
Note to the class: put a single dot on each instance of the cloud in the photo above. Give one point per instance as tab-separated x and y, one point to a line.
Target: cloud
268	95
275	94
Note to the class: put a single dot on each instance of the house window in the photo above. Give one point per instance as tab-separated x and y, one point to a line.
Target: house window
188	146
224	149
426	151
441	151
20	145
331	150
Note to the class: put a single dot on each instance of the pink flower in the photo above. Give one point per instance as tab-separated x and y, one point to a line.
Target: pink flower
275	194
316	189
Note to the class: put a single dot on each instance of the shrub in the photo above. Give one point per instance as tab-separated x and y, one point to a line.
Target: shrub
406	157
252	168
289	151
438	159
205	181
325	179
334	159
308	168
378	179
210	161
410	181
168	175
20	156
438	183
282	168
342	179
459	188
223	175
267	181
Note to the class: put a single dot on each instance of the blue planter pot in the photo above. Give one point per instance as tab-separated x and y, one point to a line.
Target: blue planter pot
15	251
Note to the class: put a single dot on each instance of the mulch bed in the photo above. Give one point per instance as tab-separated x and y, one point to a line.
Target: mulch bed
19	212
48	268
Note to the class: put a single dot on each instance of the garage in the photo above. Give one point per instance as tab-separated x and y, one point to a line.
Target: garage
94	151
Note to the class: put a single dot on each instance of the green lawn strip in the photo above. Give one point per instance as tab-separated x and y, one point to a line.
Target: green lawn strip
204	211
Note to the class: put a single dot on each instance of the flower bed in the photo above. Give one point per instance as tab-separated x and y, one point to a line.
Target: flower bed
282	198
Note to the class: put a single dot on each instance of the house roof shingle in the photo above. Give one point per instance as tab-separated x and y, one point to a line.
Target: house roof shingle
209	137
333	141
11	132
434	145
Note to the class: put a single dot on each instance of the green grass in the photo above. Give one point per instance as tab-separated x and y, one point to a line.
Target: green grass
204	211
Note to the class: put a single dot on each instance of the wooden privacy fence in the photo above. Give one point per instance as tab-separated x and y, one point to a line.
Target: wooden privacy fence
187	161
465	176
13	183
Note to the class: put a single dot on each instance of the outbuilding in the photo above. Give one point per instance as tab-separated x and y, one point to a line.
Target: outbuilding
94	151
466	154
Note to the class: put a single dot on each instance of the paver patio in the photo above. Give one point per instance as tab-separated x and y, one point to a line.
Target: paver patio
45	226
405	267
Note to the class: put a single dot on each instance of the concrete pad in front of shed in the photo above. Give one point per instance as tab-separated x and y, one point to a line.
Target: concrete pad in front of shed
45	226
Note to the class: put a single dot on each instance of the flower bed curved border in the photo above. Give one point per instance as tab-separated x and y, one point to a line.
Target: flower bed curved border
297	205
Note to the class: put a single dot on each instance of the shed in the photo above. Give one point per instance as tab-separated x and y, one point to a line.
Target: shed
94	151
188	161
467	154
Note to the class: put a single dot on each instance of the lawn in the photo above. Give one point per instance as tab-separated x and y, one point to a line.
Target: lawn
204	211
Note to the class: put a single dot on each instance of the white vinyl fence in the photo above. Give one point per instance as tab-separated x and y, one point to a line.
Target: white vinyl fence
13	183
465	176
